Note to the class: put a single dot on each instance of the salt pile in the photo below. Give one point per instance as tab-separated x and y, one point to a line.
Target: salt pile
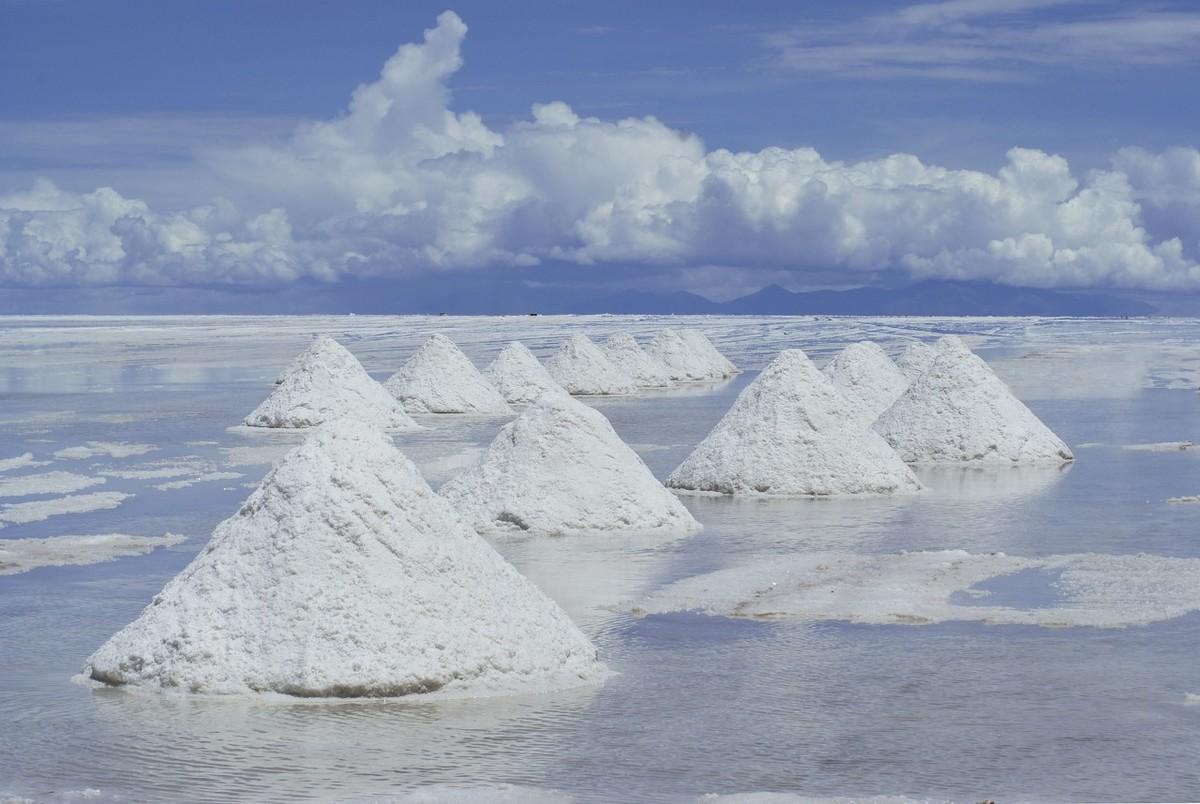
788	434
624	353
326	382
689	356
868	379
917	357
439	378
519	376
581	368
344	575
559	468
959	410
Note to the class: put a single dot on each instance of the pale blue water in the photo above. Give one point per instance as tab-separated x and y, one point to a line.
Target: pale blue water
702	704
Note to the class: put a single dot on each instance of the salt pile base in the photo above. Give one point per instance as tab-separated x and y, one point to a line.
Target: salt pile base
439	378
559	468
624	353
958	410
326	382
788	434
688	356
581	368
519	376
868	379
344	575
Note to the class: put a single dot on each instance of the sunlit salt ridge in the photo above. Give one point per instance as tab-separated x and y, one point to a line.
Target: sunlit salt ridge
519	376
439	378
581	368
23	555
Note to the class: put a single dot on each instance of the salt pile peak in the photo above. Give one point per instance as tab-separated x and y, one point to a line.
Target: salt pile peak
344	575
519	376
788	434
326	382
624	353
917	357
958	410
559	468
581	368
868	379
688	356
439	378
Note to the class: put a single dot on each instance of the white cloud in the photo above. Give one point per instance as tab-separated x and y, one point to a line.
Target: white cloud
401	184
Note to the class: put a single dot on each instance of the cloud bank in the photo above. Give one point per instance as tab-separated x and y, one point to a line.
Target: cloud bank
401	184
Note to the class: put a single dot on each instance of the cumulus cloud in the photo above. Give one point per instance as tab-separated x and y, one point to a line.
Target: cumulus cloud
402	184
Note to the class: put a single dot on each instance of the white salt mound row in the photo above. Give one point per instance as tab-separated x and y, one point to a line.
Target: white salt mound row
958	410
624	353
688	356
519	376
917	357
326	382
559	468
344	575
439	378
581	368
788	434
868	379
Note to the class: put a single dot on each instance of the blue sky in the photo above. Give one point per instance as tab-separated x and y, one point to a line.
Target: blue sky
186	106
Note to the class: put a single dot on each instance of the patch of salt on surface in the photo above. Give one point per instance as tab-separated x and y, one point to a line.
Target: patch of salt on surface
868	379
344	575
23	555
472	794
439	378
1185	500
958	410
39	510
256	454
206	477
624	353
19	462
688	358
1161	446
1191	698
113	449
326	382
519	376
201	443
787	435
158	471
1090	590
559	468
915	359
794	798
47	483
581	368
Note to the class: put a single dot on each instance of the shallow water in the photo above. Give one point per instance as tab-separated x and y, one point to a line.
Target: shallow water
702	704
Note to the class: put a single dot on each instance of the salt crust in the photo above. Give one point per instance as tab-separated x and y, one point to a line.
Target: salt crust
326	382
113	449
23	555
560	469
439	378
868	379
38	510
689	356
787	434
47	483
519	376
624	353
344	575
958	410
18	462
581	368
1161	446
1094	590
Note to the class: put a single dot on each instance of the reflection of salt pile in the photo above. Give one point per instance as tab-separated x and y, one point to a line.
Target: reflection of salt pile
519	376
959	410
868	379
439	378
624	353
689	356
787	433
560	468
326	382
345	575
581	368
917	357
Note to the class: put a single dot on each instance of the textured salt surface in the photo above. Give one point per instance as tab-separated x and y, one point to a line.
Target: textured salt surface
794	798
326	382
519	376
559	468
1087	589
206	477
39	510
345	575
46	483
868	379
470	794
688	358
23	555
915	358
439	378
18	462
1187	499
788	434
704	349
1161	446
110	448
958	410
624	353
581	368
